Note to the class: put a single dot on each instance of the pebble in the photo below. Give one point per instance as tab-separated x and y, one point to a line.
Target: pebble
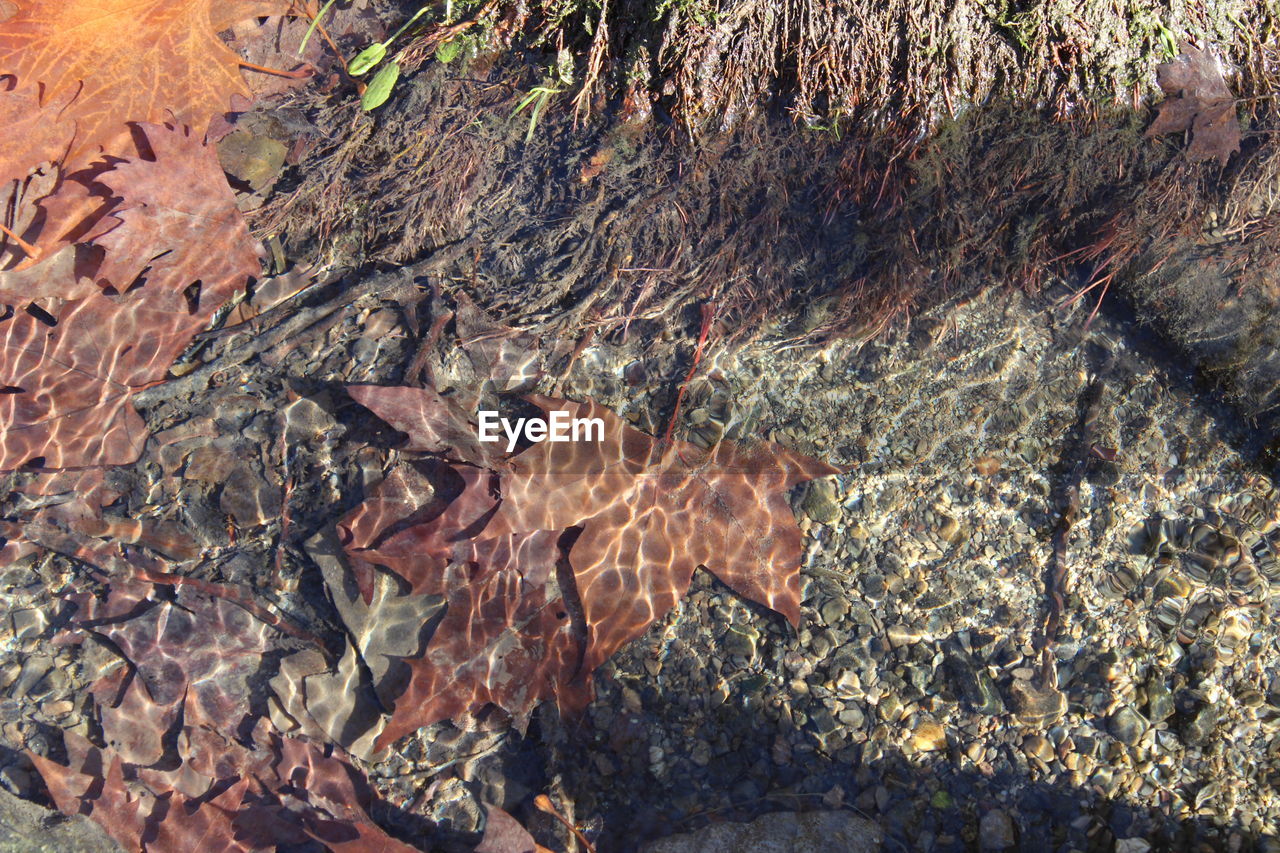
1201	725
834	609
1038	747
929	736
995	831
987	466
974	684
1159	701
28	622
740	642
1036	706
821	501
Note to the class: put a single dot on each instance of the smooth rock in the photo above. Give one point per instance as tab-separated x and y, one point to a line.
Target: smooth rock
834	609
974	684
929	736
1127	725
1036	706
1202	725
821	501
995	831
1159	702
1038	747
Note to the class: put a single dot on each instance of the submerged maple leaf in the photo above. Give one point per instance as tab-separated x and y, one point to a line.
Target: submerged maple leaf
650	513
69	368
1197	99
186	763
109	62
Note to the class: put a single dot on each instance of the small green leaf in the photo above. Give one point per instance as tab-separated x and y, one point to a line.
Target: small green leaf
447	51
380	86
366	59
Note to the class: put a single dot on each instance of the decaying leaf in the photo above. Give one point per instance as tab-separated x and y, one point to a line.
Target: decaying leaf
504	834
435	424
1198	100
652	513
185	763
636	516
69	370
109	62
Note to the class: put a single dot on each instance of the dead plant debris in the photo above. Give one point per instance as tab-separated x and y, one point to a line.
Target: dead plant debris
1198	100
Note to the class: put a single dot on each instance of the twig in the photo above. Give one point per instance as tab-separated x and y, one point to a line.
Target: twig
543	802
387	285
709	311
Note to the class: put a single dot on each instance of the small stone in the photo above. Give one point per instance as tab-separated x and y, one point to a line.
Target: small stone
889	707
1159	701
631	700
900	635
852	718
16	780
821	501
974	684
1036	706
28	622
1039	748
995	831
986	466
822	721
740	642
1202	725
1127	725
849	685
58	708
834	609
949	530
929	736
1132	845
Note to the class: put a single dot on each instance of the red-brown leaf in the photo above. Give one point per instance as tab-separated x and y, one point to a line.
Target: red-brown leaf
650	514
503	641
74	381
110	62
1197	99
435	424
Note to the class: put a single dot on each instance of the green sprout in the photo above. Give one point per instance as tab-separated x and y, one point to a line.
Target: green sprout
380	86
315	22
374	53
1167	40
537	98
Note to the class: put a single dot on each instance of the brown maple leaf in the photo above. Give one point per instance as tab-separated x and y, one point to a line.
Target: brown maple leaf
650	513
503	640
229	781
435	424
55	217
1198	100
69	371
110	62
